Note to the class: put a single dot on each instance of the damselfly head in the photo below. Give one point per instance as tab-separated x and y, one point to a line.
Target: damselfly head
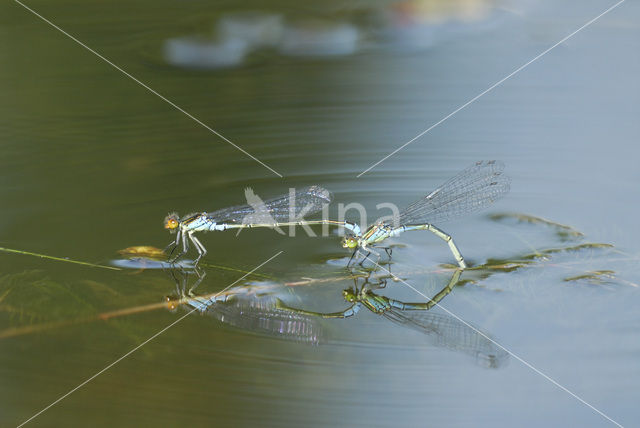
349	242
172	303
349	295
172	221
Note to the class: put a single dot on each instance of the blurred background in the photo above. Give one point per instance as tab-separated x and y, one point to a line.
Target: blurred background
92	162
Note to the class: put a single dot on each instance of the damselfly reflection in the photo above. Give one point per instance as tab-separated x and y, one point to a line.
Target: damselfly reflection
441	330
249	308
261	309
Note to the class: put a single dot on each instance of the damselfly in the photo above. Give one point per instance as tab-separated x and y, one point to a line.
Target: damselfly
283	211
471	190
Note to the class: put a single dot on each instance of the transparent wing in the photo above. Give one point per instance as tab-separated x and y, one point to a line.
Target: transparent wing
261	316
473	189
447	332
290	207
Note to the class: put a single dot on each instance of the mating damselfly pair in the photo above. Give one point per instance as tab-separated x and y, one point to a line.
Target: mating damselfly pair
471	190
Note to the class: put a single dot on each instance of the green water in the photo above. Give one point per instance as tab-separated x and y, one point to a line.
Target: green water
92	162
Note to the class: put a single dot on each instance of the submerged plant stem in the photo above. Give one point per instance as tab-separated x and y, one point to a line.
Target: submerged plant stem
59	259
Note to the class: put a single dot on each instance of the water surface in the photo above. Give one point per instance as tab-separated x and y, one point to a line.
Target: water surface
92	162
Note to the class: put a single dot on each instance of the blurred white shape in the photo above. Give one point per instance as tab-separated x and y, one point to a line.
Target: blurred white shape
420	36
198	52
255	28
319	39
421	24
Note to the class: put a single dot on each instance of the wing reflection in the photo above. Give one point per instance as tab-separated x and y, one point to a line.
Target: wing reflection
441	330
249	308
259	309
263	317
447	332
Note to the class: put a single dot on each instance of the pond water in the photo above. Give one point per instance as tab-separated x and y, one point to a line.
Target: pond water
92	162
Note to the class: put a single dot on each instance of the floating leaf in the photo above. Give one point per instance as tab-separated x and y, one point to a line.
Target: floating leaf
145	251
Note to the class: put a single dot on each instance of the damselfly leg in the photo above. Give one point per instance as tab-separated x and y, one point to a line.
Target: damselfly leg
352	255
199	247
185	246
366	256
173	244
